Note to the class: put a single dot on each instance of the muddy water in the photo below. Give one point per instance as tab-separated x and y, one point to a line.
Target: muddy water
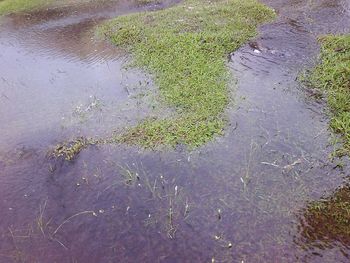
242	198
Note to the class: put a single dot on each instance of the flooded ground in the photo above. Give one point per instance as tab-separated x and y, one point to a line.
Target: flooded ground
56	75
246	197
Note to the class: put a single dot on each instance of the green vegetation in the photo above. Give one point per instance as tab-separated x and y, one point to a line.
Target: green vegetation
11	6
186	49
332	75
14	6
328	220
69	150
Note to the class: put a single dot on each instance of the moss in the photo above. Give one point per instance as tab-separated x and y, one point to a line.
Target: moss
332	75
186	48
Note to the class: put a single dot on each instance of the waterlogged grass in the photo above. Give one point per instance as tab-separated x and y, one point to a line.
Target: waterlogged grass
328	220
11	6
70	150
186	49
332	75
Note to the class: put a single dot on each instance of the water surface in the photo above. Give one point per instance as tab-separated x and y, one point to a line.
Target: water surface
242	198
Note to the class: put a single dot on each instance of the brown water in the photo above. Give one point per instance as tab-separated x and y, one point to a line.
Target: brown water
242	198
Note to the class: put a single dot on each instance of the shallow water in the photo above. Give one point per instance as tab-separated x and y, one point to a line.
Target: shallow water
56	74
241	198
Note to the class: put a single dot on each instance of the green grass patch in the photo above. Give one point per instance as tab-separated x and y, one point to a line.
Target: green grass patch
12	6
332	75
185	47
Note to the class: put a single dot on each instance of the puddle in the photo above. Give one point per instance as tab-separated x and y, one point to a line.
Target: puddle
242	198
52	64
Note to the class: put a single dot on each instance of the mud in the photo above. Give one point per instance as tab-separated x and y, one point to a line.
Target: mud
241	198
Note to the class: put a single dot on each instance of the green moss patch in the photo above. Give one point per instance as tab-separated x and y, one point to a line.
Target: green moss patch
185	47
332	75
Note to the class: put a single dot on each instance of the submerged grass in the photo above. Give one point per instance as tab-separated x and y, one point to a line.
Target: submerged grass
69	150
186	49
11	6
328	220
332	75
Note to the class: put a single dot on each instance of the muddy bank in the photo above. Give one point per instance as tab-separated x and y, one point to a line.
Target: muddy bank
240	198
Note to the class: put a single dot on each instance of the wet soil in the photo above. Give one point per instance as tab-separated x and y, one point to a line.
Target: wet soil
242	198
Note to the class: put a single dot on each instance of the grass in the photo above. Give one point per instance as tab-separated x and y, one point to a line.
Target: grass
185	47
332	76
14	6
11	6
69	150
328	220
